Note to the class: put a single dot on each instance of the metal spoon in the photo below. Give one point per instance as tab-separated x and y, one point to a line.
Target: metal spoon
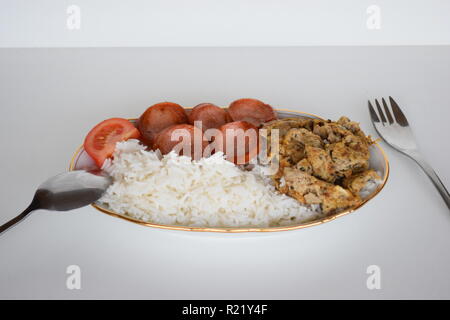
66	191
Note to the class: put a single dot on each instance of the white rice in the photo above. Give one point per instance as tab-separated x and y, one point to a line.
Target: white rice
211	192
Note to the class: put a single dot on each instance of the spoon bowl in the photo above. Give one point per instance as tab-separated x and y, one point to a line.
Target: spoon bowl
66	191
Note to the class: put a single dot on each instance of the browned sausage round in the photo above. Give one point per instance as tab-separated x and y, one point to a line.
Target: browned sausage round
158	117
244	145
251	110
181	139
210	115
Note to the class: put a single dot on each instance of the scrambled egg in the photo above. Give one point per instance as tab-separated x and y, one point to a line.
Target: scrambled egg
321	162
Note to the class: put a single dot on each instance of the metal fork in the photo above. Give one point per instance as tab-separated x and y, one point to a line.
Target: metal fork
394	129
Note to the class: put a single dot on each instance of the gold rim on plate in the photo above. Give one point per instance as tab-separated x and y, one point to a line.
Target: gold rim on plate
251	229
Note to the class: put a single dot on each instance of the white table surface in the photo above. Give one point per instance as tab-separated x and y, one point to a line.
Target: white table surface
50	98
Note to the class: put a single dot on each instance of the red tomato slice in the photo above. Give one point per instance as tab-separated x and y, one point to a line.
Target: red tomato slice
101	140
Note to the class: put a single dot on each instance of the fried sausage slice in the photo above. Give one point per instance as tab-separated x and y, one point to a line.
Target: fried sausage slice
158	117
253	111
184	139
238	141
210	115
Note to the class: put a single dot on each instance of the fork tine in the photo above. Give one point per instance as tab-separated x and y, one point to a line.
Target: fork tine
380	112
373	114
398	114
388	113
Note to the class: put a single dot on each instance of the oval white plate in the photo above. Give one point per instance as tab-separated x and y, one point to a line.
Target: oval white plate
378	161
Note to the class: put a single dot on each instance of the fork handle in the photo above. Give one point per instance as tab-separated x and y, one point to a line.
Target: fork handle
433	177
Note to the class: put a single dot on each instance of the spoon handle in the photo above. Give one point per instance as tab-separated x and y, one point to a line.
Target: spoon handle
13	221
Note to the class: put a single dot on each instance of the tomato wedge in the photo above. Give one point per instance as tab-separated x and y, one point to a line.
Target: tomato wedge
101	140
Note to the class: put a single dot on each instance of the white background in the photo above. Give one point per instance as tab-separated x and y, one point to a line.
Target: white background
50	98
323	59
43	23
